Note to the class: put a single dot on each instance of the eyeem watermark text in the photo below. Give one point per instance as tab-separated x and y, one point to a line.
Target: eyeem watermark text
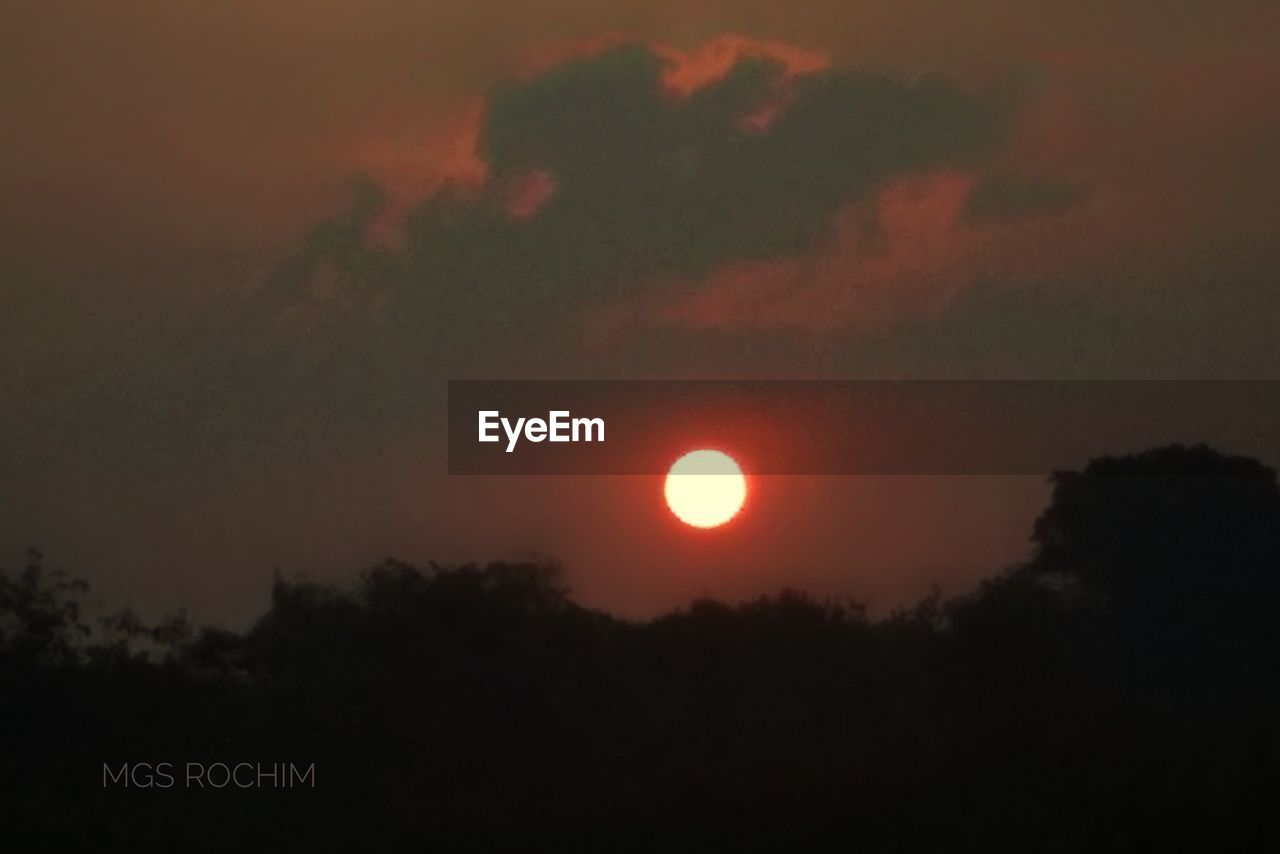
558	426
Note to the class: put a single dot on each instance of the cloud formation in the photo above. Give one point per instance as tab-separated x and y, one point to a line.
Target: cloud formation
633	166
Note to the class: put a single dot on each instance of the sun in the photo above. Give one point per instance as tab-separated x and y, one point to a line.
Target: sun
705	488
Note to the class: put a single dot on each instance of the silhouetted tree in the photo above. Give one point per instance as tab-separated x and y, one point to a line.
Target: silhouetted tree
40	614
1176	540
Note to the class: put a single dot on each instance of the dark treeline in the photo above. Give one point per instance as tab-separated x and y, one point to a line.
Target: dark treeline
1118	692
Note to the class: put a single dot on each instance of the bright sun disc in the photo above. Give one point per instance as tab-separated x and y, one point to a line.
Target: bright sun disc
705	488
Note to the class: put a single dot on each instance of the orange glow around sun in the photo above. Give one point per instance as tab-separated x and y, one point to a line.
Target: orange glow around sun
705	488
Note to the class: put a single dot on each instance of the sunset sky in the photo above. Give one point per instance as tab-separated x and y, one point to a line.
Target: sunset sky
246	244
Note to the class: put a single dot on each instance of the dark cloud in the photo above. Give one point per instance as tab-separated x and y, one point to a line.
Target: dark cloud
1002	196
602	177
652	183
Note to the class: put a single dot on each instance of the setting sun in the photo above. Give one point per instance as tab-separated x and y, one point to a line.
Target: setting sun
705	488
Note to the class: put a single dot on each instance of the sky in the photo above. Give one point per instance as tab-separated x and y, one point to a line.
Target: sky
245	245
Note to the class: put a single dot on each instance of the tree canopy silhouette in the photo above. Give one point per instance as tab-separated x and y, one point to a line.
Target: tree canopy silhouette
1174	539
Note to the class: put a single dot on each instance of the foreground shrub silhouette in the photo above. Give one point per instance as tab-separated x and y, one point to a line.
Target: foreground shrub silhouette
1118	692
